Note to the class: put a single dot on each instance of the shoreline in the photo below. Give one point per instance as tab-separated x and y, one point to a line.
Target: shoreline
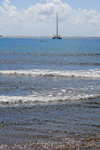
68	144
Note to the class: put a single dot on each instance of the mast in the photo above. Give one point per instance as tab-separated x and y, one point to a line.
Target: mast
57	24
56	36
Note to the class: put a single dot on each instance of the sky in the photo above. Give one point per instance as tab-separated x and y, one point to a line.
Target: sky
38	17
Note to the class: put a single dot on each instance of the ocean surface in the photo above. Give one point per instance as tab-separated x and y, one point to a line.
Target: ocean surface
49	93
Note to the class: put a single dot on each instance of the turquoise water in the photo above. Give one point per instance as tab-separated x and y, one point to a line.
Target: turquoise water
49	92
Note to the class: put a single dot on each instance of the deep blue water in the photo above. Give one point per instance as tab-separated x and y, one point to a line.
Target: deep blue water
49	92
67	54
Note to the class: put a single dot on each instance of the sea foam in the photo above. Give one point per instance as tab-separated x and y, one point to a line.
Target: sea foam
50	98
90	73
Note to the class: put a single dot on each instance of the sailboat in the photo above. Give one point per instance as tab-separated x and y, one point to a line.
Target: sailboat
56	36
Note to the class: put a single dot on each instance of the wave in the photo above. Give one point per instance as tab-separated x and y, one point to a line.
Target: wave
90	73
31	99
48	54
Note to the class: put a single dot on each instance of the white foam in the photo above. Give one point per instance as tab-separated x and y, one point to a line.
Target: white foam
90	73
49	98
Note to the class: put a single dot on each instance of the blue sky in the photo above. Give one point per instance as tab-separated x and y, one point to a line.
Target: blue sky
84	4
37	17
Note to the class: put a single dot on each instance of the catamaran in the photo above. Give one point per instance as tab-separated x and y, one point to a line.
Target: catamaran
56	36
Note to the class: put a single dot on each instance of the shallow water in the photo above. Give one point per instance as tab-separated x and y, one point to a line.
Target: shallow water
49	93
47	125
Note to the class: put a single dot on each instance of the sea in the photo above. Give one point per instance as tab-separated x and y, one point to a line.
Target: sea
49	93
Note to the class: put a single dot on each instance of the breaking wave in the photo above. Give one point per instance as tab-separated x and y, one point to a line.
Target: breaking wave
90	73
32	99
